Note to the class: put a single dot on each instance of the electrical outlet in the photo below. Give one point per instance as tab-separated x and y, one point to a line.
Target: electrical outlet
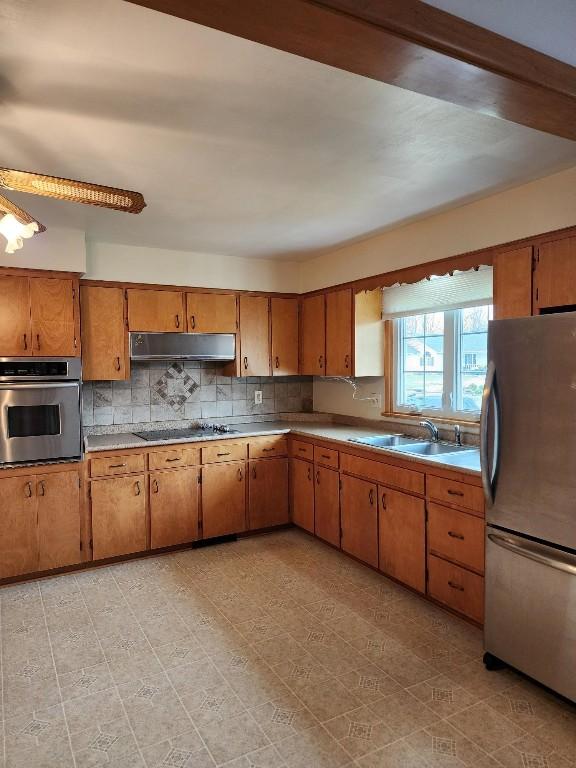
258	397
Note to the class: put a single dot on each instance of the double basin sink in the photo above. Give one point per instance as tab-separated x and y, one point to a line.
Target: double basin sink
412	445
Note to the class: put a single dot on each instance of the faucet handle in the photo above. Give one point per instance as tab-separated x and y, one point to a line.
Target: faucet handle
458	434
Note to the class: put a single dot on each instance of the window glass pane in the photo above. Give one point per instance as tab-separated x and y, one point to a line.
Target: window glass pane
413	326
421	361
473	357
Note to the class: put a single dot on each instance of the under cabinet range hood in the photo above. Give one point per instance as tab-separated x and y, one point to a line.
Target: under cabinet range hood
219	347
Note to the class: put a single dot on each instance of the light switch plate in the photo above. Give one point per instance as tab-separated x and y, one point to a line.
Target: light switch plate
258	397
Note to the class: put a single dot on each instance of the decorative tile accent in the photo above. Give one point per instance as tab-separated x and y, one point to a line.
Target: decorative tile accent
444	746
534	761
283	716
35	728
177	758
175	386
103	742
29	670
85	681
316	637
369	683
521	707
440	694
147	692
360	731
300	673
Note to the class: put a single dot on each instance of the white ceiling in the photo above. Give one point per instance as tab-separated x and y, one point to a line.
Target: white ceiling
548	26
238	148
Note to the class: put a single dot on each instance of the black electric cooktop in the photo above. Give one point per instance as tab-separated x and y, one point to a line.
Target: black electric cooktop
186	434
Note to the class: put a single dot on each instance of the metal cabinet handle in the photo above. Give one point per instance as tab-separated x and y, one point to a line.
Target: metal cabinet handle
371	497
324	456
317	477
38	341
116	466
192	322
455	535
155	486
41	488
117	366
347	361
137	488
25	341
240	475
383	501
458	587
452	492
177	321
245	363
174	458
28	490
223	454
277	361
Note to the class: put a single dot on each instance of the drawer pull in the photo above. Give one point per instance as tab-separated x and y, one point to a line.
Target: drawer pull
177	321
347	361
317	477
117	366
303	450
254	472
452	492
155	486
223	454
267	450
371	497
192	322
309	473
137	488
277	362
324	456
28	490
175	458
321	361
25	341
245	363
455	535
41	488
459	587
116	466
383	501
240	475
38	342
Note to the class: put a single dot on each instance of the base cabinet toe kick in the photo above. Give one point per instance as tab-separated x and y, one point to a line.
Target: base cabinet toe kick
423	529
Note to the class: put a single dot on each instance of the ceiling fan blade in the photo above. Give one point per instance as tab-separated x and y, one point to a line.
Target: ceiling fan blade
7	206
72	190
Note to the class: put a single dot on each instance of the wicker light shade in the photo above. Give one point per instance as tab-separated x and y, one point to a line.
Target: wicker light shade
74	191
7	206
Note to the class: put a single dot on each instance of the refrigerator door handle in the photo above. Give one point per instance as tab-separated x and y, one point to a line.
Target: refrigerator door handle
489	395
562	561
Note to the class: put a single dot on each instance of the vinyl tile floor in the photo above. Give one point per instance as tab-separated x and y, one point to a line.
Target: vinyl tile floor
270	652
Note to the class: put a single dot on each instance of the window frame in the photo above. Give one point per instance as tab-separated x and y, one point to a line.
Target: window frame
452	364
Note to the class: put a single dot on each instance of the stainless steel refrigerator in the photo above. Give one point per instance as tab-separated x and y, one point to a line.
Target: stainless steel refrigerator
528	453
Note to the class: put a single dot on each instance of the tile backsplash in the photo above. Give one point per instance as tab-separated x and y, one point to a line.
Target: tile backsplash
179	391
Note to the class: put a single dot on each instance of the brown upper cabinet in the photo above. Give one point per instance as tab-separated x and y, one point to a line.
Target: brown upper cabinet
254	336
37	317
555	274
155	311
339	333
212	312
104	337
313	336
512	277
284	320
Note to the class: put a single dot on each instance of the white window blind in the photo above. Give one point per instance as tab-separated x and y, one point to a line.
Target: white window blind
472	288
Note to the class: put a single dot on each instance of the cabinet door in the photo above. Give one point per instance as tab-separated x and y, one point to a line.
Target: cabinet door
155	311
268	493
303	494
58	519
104	335
118	516
359	519
313	336
52	310
223	499
15	337
284	313
339	333
327	505
254	336
173	507
513	284
403	537
18	526
555	276
211	312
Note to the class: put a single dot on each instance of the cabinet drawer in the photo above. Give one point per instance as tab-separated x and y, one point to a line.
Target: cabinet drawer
175	457
265	447
224	452
456	536
385	474
461	590
302	450
453	492
326	456
117	465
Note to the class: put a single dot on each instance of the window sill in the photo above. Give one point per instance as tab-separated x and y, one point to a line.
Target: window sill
468	426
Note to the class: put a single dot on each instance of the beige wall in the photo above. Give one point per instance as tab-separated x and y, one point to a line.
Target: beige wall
530	209
60	249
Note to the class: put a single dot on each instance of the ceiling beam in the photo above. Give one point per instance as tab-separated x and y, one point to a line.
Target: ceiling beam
405	43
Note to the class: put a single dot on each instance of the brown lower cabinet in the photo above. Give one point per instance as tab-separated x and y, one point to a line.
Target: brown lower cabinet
174	497
359	519
268	493
456	587
223	499
118	516
402	537
39	522
303	494
327	504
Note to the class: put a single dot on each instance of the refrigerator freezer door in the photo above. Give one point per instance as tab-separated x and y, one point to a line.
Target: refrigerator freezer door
534	489
530	620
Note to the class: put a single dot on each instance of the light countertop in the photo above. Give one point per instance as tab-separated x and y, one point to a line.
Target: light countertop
468	461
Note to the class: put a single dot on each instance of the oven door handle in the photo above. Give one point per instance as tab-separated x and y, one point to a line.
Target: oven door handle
40	385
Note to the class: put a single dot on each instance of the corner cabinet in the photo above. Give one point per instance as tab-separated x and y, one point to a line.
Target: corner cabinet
105	354
38	316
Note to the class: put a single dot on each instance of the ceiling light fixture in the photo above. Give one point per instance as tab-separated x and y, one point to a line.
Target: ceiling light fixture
16	232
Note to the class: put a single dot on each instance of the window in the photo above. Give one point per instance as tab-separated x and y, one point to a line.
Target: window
440	362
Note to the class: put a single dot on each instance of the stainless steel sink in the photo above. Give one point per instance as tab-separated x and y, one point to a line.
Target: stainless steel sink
431	449
383	441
